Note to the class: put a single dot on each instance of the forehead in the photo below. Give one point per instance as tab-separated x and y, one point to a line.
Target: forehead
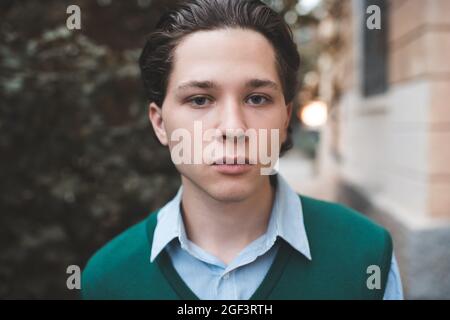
225	55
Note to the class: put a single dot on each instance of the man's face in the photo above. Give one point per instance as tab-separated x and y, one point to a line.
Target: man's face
224	80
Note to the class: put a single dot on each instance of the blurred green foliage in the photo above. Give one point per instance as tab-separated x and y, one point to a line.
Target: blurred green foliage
78	159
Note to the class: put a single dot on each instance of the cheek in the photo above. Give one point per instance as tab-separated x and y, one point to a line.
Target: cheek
270	119
278	122
172	118
272	135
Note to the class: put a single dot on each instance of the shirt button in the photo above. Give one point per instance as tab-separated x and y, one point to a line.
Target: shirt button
226	276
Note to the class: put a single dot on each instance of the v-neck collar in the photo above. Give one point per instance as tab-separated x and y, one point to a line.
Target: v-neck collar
262	292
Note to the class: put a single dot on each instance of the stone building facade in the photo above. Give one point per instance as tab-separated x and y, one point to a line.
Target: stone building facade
387	143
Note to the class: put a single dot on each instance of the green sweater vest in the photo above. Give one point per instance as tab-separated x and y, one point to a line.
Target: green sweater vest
343	245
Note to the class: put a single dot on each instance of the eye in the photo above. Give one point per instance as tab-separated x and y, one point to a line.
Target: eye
199	101
258	99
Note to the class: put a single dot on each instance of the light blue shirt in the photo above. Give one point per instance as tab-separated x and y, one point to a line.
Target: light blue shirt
209	278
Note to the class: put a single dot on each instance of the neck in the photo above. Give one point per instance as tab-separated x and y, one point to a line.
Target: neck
225	228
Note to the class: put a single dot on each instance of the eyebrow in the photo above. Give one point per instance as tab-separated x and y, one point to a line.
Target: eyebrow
261	83
208	84
197	84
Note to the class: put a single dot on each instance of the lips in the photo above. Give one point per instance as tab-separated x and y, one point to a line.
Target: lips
231	161
231	166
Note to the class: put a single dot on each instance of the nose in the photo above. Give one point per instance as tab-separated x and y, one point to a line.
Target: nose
232	122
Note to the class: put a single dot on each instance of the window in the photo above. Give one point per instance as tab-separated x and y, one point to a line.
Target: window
375	52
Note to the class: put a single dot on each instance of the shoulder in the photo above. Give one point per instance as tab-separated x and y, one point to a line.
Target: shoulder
344	244
343	228
106	266
340	217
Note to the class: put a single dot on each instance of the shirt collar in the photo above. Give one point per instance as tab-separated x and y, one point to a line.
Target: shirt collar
168	225
286	221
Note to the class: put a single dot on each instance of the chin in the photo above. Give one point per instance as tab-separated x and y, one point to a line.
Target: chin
230	191
222	187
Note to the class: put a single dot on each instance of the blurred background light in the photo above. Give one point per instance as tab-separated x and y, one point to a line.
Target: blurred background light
314	114
306	6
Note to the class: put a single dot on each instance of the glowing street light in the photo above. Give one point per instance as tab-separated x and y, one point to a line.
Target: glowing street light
314	114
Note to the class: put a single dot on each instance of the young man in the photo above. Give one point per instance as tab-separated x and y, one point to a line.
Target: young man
232	232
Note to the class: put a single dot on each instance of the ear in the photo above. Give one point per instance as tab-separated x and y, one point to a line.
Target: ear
289	114
284	135
156	119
